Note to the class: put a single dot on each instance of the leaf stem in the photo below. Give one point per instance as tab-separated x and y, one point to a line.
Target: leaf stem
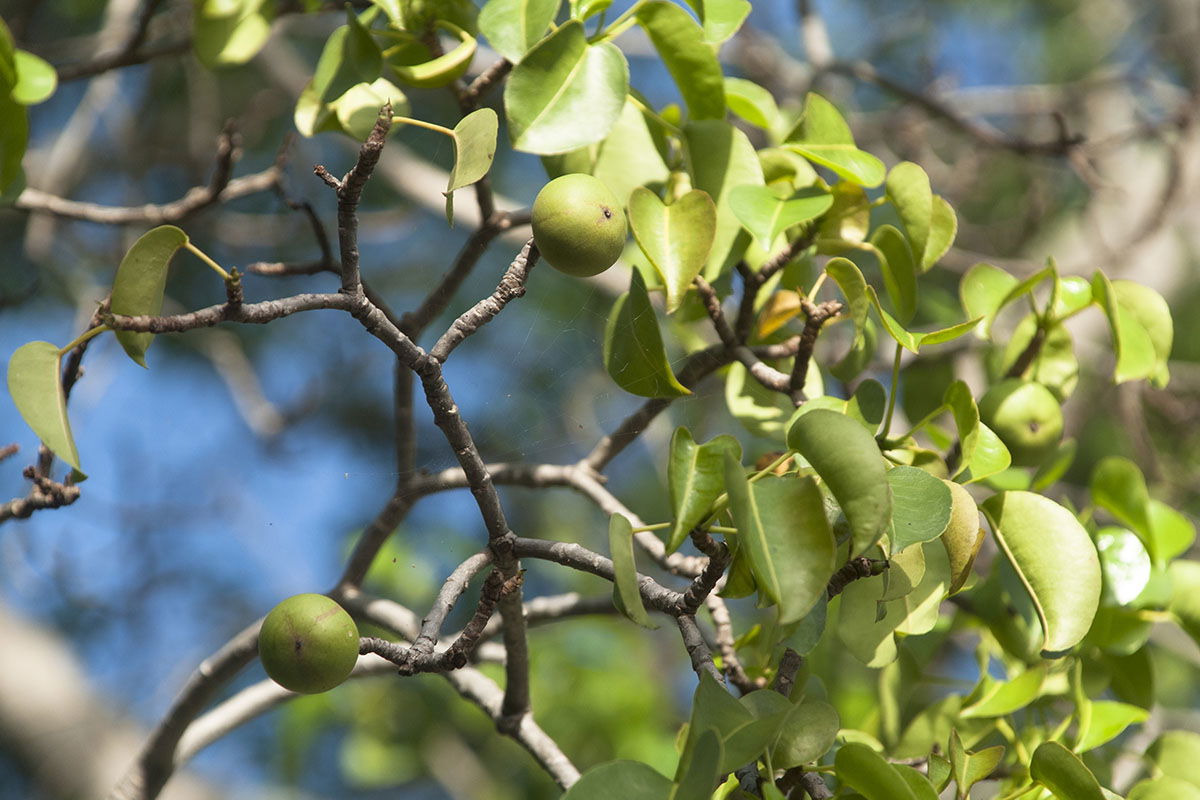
83	337
674	130
420	123
722	529
893	390
619	25
817	284
769	468
200	254
658	526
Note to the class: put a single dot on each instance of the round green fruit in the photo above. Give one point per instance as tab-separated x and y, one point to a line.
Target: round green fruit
308	644
1027	418
578	225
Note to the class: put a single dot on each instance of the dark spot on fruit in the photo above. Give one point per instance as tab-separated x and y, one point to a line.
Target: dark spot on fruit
298	645
607	212
1033	427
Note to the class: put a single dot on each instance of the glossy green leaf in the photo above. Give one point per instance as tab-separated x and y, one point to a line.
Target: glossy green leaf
781	522
626	596
982	292
1124	563
742	735
691	61
963	536
1134	348
1164	788
585	9
760	410
358	109
14	134
392	9
1173	532
914	341
633	348
474	152
917	783
850	280
677	238
982	452
908	191
1051	472
1185	595
696	476
869	774
766	216
1108	720
868	404
823	137
866	625
1056	561
140	282
844	227
1061	771
752	103
1176	754
899	272
36	79
905	570
630	780
565	93
720	158
1150	311
921	506
629	157
920	608
702	771
995	698
1120	489
1055	365
36	389
415	64
514	26
969	768
720	18
847	459
943	228
230	32
807	733
350	57
1072	294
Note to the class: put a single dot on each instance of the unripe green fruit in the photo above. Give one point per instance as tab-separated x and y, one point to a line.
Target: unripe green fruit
308	644
578	225
1027	418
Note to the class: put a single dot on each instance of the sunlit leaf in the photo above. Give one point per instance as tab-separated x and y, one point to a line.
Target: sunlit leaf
1176	754
766	216
626	596
1061	771
921	506
703	767
1150	311
720	159
981	450
474	151
631	780
869	774
36	389
691	61
1120	489
36	79
752	103
1132	343
633	348
514	26
696	476
996	698
140	282
720	18
230	32
823	137
963	536
676	238
1109	720
416	65
1124	563
899	272
909	193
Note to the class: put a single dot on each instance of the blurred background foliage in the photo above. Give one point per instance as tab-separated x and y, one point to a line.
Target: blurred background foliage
239	469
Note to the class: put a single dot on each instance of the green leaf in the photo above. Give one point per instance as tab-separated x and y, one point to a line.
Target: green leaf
626	596
633	348
908	191
716	709
676	238
358	109
969	768
1109	720
982	291
1061	771
847	459
720	158
1134	348
696	475
230	32
917	783
1124	563
14	134
808	731
1119	488
514	26
943	227
914	341
781	522
752	103
823	137
720	18
1164	788
36	79
691	61
899	272
415	64
869	774
1072	294
140	282
1185	596
474	151
1173	532
1149	310
982	451
921	506
920	607
700	777
34	381
392	9
1176	754
963	536
850	280
629	157
565	93
630	780
1055	560
766	216
995	698
868	404
760	410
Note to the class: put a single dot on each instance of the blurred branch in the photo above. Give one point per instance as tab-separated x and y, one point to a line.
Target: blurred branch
44	494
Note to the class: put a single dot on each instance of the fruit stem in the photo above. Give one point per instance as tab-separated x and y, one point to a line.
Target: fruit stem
83	337
420	123
200	254
892	392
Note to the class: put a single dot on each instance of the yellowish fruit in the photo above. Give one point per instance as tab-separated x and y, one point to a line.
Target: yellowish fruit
578	225
1027	418
308	644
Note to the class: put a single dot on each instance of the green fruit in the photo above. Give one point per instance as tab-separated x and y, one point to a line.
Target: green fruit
308	644
1027	418
578	225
